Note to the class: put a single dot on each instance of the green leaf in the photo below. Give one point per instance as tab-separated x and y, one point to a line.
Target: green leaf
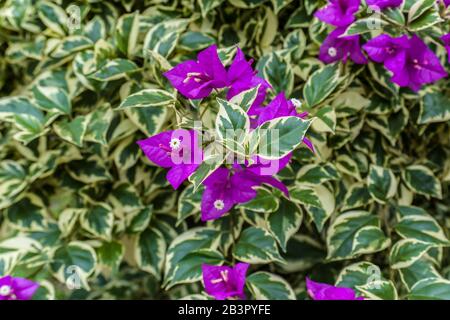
318	201
279	74
314	174
354	233
207	5
13	180
98	221
150	250
381	183
148	98
72	131
110	255
277	138
379	290
190	241
139	219
431	289
423	228
246	98
71	45
267	286
126	35
232	126
419	7
53	16
420	179
421	269
407	251
265	201
74	262
194	41
149	120
285	222
434	107
365	25
52	99
28	214
321	84
189	269
115	69
256	245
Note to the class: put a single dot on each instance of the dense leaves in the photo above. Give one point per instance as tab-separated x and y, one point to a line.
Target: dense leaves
85	214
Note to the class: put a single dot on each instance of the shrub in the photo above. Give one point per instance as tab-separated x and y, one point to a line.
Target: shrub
84	213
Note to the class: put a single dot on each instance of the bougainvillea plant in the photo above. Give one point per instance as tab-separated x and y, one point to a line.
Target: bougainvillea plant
225	149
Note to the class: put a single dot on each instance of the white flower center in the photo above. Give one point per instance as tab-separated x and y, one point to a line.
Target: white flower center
175	144
5	290
192	75
332	52
219	205
296	103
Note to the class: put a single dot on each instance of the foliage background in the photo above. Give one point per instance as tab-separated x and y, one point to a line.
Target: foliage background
75	190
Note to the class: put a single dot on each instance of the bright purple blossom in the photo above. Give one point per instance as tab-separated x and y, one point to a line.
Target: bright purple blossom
178	150
383	4
225	188
336	48
420	66
446	40
224	282
280	107
17	288
388	50
323	291
241	77
196	79
339	13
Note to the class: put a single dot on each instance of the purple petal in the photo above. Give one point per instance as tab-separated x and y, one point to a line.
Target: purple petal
189	86
339	13
179	173
210	62
382	4
24	289
322	291
446	40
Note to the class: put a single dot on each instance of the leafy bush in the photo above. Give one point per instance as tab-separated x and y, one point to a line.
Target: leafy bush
86	215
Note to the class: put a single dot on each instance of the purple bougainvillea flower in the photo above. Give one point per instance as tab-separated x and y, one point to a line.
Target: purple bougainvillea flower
280	107
241	77
421	66
224	282
339	13
17	288
178	150
446	40
336	48
388	50
323	291
382	4
196	79
224	188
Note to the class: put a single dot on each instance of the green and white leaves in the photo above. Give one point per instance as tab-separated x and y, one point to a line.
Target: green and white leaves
180	248
354	233
148	98
73	263
267	286
381	183
150	250
422	180
115	69
256	245
276	138
321	84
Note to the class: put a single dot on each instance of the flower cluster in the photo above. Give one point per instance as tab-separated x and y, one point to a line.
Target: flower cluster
411	61
181	151
223	282
17	288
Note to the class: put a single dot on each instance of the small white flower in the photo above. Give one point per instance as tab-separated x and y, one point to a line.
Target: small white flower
219	205
175	144
332	52
296	103
5	290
